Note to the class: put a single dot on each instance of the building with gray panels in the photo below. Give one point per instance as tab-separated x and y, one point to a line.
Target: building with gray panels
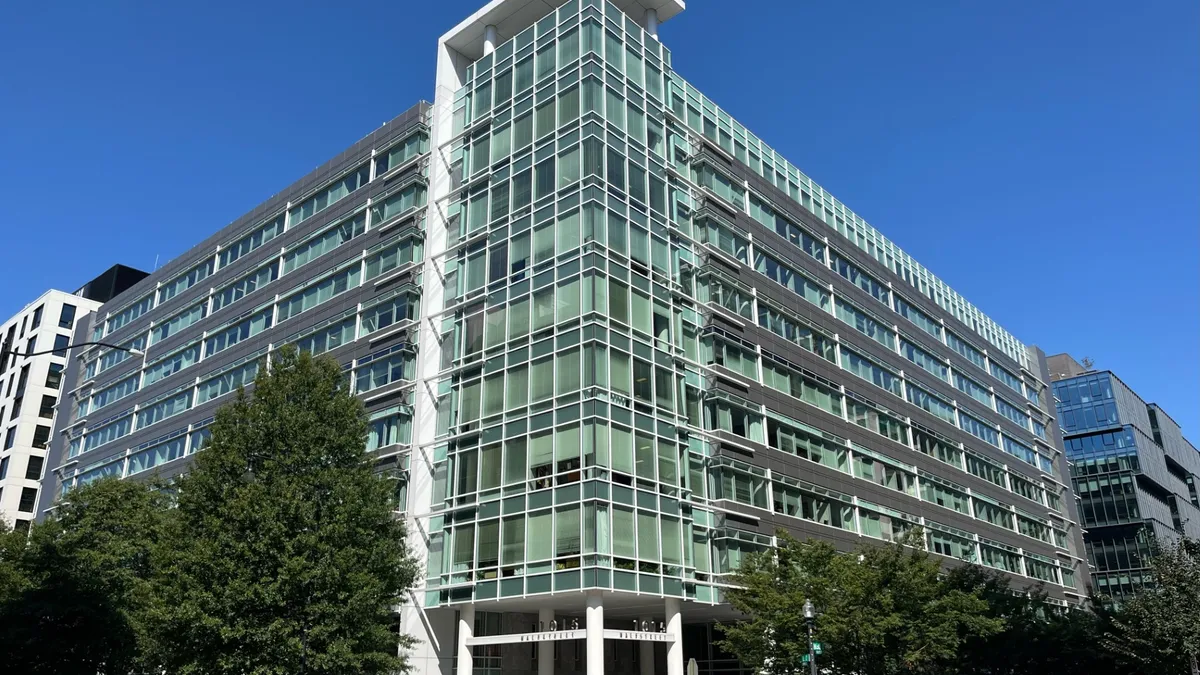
1132	470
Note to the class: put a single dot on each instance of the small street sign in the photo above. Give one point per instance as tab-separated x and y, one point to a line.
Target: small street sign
804	658
816	647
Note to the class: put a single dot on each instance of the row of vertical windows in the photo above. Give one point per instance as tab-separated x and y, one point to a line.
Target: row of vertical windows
403	151
787	178
800	439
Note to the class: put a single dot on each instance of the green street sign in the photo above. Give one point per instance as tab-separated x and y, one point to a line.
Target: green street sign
804	658
816	647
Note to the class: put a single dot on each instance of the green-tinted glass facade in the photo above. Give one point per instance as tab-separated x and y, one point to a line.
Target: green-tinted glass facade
607	404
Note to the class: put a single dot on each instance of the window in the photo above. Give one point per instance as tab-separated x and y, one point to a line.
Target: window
978	428
185	281
252	241
33	471
226	381
245	286
856	276
808	442
61	343
397	252
330	195
742	483
169	406
927	361
3	468
37	318
10	437
150	456
809	502
875	418
797	331
122	318
54	376
930	403
400	153
243	330
973	389
944	493
761	211
178	322
28	500
920	319
323	243
866	324
156	371
1009	380
964	348
1000	557
985	469
950	542
47	408
41	436
319	292
993	512
936	446
801	384
66	318
870	371
792	279
1012	412
884	471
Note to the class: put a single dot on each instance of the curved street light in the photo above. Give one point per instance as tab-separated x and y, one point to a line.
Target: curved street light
132	351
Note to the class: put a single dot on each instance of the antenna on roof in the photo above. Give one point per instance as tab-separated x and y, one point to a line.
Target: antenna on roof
1087	362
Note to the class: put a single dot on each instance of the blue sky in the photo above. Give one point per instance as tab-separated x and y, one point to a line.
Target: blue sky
1043	158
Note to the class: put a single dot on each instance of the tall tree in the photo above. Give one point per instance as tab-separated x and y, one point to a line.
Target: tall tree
1038	637
883	610
292	560
1160	628
76	596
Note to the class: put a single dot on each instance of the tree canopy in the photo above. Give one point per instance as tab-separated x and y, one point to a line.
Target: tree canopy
278	551
884	610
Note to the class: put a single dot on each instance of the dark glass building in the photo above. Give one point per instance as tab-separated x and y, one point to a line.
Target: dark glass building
1131	468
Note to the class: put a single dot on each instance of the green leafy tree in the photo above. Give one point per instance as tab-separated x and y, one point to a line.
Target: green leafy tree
1160	628
1038	638
883	610
291	560
76	594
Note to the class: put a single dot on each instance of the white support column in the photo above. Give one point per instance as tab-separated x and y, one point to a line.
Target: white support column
489	40
650	23
646	649
675	646
595	634
545	648
466	630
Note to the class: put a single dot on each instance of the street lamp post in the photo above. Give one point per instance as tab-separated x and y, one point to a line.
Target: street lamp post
7	349
810	616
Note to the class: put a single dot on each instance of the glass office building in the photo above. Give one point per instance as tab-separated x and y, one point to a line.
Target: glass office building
1132	470
610	341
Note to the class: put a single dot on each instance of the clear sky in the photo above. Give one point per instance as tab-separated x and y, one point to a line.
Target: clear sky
1041	157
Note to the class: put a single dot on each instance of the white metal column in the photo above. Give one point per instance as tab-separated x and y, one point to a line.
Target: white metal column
466	630
489	40
646	649
545	648
650	23
595	634
675	630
